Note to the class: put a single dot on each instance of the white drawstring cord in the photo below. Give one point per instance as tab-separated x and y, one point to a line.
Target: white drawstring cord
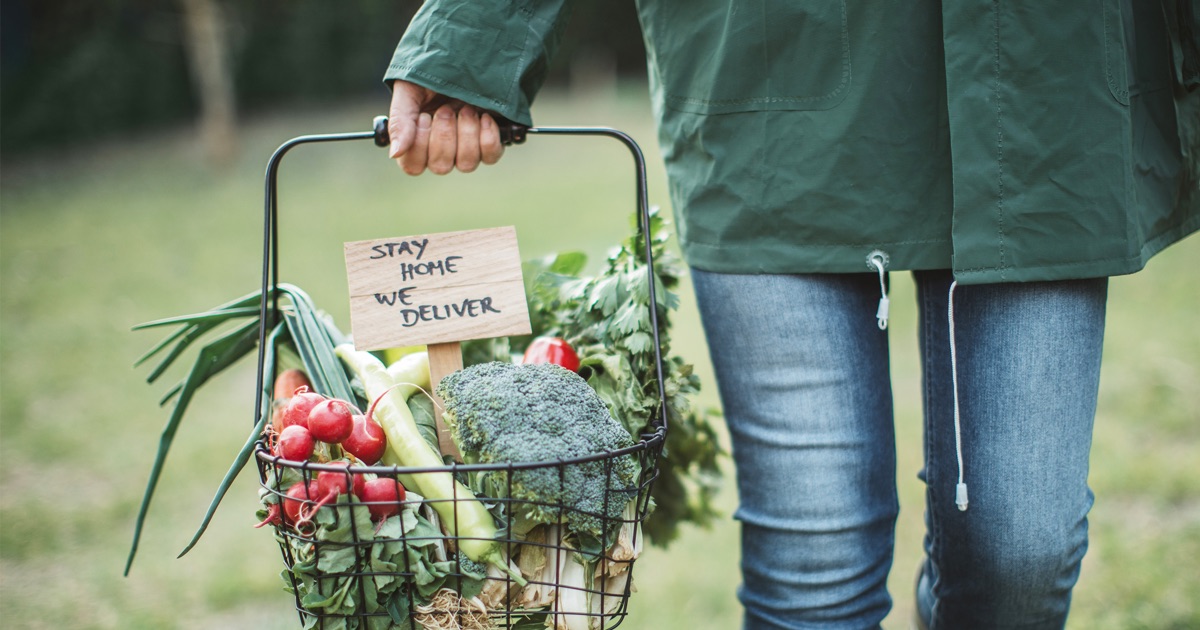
960	491
878	260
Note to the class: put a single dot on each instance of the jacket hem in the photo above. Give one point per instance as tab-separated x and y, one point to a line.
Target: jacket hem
916	255
807	258
1081	269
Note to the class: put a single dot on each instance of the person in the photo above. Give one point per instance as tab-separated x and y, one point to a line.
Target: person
1012	156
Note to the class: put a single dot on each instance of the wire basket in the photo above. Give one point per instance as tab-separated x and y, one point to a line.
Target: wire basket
420	563
390	566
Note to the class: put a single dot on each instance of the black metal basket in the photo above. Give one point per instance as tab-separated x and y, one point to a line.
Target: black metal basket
416	571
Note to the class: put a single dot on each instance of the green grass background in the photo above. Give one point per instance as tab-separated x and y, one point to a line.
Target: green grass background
93	241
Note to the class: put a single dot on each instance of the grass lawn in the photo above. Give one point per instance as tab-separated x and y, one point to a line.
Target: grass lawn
95	241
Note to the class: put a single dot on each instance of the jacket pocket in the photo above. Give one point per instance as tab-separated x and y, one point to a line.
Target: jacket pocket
722	56
1116	66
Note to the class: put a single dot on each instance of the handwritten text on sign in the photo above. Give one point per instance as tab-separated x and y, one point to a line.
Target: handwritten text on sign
436	288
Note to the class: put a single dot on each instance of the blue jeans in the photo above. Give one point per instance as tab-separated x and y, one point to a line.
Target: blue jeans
803	374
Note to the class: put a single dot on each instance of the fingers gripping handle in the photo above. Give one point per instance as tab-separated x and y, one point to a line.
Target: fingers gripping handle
510	132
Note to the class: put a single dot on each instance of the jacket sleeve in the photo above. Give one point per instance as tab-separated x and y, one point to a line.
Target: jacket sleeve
494	55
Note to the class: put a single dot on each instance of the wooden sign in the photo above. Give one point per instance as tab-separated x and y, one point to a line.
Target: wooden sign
436	288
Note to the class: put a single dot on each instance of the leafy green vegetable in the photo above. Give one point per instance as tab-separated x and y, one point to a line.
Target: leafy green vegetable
421	408
606	319
351	573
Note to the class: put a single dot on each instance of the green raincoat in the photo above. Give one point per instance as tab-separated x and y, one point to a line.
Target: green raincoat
1010	141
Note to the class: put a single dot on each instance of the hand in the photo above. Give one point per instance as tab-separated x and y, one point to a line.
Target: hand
431	131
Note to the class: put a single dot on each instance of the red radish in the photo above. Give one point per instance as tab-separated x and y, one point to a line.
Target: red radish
299	407
272	516
367	441
277	417
287	383
359	480
295	443
383	496
297	496
332	420
330	484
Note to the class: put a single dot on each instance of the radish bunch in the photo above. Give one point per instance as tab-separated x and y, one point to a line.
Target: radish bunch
307	424
308	418
382	495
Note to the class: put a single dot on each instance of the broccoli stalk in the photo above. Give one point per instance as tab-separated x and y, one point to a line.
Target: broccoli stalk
504	413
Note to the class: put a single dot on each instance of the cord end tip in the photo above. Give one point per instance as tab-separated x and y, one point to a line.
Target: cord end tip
960	497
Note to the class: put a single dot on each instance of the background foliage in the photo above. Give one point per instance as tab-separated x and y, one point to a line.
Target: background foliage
79	70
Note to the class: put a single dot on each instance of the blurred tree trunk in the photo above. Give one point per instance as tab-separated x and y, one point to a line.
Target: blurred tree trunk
208	51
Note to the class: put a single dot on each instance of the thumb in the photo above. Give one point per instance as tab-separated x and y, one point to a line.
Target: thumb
407	99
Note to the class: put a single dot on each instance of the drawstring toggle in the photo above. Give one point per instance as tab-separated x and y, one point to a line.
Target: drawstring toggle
878	261
960	491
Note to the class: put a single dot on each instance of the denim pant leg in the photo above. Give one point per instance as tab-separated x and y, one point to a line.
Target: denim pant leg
802	370
1028	364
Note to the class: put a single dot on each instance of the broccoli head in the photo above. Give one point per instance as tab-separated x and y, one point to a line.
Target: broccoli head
505	413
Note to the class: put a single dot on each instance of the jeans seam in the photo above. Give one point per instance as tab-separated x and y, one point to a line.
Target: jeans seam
931	493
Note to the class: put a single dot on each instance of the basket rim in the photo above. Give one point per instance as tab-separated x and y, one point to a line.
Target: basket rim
649	441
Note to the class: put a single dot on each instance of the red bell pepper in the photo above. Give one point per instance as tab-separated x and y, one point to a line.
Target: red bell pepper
552	350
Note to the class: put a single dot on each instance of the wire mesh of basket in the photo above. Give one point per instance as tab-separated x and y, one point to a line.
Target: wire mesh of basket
408	563
434	563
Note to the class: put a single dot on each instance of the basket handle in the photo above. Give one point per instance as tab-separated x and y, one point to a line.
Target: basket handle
510	133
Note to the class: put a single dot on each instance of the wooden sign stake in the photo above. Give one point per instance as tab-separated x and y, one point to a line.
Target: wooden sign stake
444	358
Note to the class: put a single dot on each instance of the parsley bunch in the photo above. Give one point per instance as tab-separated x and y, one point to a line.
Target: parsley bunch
606	319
